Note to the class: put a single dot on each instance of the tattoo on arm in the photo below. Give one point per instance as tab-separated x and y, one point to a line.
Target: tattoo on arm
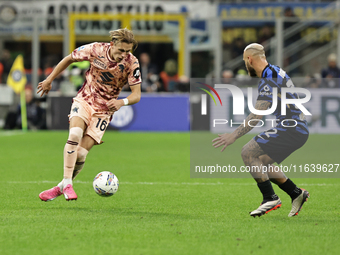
244	129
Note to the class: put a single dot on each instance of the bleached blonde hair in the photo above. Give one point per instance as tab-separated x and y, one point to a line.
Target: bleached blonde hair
123	35
255	49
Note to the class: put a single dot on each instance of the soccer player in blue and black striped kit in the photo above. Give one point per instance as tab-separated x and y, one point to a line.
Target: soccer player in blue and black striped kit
273	145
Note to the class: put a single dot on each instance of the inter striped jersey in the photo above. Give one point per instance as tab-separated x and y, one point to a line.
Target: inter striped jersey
275	77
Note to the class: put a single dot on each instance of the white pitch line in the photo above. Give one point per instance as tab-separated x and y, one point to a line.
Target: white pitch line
126	183
173	183
11	133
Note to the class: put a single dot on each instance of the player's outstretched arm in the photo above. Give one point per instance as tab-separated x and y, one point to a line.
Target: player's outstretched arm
133	98
135	95
242	130
228	139
46	85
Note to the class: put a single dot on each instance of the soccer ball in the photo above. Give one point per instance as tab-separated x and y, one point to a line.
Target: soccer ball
105	184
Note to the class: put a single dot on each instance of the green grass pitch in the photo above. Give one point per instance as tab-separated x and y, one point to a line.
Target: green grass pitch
158	208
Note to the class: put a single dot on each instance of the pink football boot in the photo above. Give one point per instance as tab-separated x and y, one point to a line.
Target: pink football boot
69	193
50	194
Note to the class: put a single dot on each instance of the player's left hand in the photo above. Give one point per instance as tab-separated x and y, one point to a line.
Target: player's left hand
45	86
114	104
224	140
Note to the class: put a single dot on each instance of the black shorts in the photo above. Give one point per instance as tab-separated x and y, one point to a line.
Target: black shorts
279	143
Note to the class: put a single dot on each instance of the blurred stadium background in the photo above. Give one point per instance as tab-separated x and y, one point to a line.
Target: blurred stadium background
178	40
159	209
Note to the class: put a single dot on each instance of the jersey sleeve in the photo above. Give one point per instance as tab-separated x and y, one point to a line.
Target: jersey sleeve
134	77
82	53
265	91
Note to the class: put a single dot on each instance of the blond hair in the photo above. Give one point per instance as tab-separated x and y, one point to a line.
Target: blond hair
255	49
123	35
331	57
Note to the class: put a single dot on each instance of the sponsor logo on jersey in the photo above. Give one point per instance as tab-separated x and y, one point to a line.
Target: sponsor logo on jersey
266	91
75	109
106	77
81	48
290	84
121	68
99	64
136	73
282	73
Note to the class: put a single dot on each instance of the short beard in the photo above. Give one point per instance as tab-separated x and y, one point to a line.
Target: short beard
251	71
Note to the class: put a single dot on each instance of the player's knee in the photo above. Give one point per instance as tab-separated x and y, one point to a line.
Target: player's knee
75	135
81	154
266	160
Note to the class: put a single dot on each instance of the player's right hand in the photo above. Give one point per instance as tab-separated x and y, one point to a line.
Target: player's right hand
114	104
44	87
224	140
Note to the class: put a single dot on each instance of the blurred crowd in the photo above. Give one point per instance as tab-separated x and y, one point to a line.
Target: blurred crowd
154	80
5	65
328	77
317	76
166	79
36	115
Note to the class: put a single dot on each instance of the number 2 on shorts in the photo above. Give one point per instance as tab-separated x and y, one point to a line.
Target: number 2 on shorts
268	133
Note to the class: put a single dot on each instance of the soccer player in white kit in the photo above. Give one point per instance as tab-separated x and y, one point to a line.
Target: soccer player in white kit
112	66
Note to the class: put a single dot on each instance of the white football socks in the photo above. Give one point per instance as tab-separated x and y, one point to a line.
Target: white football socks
67	182
60	185
82	153
81	156
70	151
64	183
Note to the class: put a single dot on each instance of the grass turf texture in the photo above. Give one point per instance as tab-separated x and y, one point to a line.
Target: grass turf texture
158	209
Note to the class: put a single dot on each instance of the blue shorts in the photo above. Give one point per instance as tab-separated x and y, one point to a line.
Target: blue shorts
278	143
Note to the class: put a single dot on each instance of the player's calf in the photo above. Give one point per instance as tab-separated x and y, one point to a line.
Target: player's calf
70	153
81	157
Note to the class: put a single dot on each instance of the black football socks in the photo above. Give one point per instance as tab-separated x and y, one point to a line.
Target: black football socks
267	191
291	189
